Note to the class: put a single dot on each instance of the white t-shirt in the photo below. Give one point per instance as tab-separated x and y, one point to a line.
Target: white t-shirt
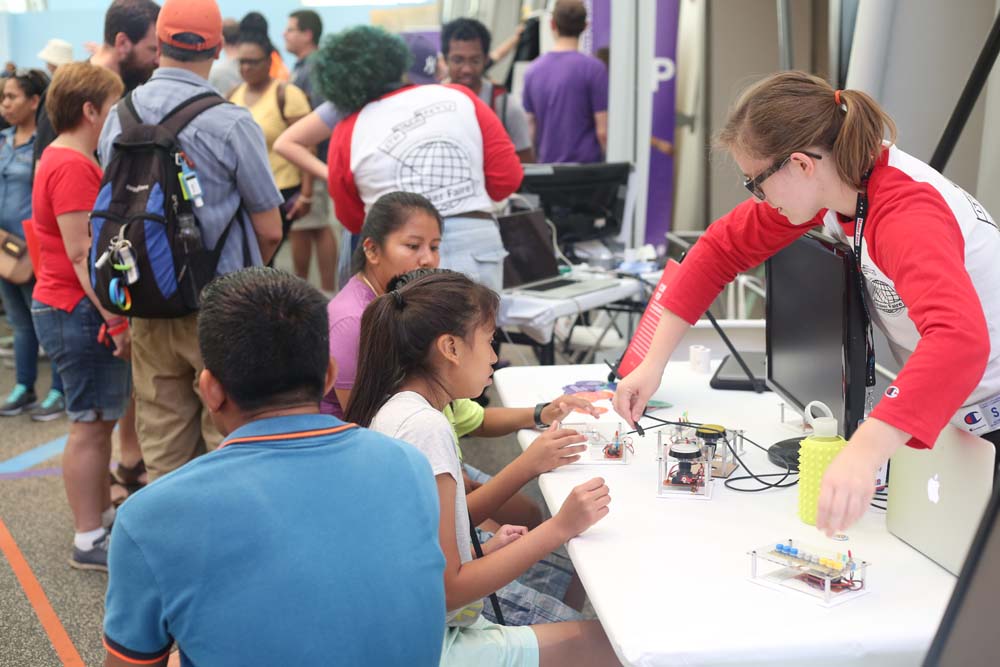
408	416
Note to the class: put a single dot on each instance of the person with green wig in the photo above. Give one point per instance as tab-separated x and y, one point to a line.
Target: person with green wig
439	141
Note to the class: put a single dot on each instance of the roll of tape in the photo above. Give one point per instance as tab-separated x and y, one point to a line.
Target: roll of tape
700	358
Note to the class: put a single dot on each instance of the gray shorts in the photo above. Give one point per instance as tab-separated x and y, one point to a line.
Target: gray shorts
472	246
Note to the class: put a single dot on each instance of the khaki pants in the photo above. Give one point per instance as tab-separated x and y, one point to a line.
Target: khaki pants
173	425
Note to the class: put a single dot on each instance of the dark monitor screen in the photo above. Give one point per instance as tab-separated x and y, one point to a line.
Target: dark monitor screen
815	329
967	635
530	253
583	201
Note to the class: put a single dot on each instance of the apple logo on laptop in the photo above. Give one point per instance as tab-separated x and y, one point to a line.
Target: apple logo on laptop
934	490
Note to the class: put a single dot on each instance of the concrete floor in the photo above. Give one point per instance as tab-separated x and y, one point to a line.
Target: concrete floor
34	510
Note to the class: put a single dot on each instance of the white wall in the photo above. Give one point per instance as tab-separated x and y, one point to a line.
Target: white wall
743	47
989	162
690	138
914	57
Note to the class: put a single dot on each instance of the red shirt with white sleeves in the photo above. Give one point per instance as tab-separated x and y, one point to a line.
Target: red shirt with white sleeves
931	261
440	141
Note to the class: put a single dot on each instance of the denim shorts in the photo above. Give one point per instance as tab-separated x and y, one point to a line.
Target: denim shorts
97	384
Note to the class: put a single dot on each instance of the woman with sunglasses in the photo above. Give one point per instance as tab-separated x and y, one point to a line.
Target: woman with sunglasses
929	255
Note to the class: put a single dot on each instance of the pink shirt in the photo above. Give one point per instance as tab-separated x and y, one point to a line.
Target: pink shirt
345	311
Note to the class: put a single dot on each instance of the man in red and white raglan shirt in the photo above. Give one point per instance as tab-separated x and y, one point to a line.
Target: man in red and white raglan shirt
442	142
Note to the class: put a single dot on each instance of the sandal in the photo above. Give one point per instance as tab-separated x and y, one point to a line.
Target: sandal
128	479
119	492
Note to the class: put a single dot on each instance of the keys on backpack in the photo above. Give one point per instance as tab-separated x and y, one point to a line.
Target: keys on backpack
128	264
103	259
122	258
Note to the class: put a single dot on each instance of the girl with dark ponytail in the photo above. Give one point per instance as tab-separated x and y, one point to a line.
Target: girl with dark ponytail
927	251
423	345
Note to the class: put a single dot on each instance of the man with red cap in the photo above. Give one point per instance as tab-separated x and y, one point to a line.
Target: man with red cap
230	159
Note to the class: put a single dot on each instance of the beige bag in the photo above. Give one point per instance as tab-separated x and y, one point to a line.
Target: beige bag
15	263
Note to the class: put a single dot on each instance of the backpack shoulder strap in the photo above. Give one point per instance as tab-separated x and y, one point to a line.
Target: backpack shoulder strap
282	86
128	117
498	92
178	118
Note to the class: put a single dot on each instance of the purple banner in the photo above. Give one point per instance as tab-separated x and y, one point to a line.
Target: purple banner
660	201
598	33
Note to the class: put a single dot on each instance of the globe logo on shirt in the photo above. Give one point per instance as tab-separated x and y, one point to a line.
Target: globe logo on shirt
440	170
883	295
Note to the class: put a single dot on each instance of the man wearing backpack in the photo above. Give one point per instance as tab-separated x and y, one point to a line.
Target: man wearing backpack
224	149
465	44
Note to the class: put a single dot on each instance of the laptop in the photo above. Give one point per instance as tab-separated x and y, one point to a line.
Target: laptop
531	267
937	497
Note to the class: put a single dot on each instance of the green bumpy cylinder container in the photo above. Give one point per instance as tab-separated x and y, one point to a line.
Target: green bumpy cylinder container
815	454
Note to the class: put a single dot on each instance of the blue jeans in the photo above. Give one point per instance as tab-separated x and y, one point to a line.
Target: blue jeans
98	384
17	303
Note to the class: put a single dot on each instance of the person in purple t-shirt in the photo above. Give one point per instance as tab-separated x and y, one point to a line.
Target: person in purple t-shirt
566	94
402	232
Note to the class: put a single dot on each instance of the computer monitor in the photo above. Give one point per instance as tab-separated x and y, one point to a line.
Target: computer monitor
967	635
815	328
530	254
583	201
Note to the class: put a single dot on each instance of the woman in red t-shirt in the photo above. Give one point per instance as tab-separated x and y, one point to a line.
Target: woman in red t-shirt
89	345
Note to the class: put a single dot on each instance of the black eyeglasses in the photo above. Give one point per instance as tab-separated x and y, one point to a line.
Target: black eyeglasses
754	184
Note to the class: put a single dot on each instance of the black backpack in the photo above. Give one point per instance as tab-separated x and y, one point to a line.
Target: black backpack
147	258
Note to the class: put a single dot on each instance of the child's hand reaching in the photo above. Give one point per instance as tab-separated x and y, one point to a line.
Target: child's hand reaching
586	505
504	536
562	406
555	447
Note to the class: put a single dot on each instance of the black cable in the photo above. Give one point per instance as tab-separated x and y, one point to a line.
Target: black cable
479	554
765	485
758	478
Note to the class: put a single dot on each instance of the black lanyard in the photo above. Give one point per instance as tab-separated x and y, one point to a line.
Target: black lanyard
860	213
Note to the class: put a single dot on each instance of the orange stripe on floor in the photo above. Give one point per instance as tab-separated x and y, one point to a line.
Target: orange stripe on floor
39	601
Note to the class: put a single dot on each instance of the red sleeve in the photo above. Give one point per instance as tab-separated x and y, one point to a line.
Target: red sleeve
347	201
918	244
736	242
501	166
73	186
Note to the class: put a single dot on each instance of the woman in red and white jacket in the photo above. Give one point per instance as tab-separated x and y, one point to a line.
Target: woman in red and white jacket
930	256
440	141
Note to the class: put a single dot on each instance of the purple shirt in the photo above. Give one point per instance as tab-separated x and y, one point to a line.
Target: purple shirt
345	311
564	89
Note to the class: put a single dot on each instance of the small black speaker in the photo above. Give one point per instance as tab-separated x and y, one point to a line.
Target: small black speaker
785	453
